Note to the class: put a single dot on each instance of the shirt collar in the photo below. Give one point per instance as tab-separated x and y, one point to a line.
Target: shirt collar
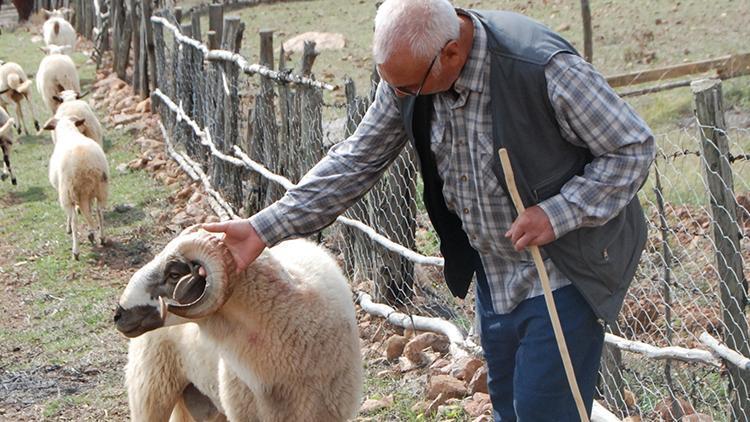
472	74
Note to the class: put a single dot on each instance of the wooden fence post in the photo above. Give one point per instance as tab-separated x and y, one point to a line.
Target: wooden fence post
215	22
159	64
357	257
726	233
262	136
196	21
233	30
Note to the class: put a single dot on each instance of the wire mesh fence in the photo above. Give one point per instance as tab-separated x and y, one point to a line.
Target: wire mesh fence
688	282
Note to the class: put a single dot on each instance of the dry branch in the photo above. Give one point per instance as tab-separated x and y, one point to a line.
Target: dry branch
726	67
672	352
729	355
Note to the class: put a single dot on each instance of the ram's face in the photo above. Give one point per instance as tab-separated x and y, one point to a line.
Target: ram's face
173	288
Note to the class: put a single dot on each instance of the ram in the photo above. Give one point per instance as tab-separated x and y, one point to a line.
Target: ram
284	330
78	170
14	88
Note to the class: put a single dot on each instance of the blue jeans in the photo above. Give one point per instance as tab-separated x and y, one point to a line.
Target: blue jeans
526	378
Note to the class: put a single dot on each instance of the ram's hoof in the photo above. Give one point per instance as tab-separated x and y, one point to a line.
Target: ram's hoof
36	125
102	241
14	182
75	256
91	237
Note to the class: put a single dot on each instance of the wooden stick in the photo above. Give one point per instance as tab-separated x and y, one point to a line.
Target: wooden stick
510	181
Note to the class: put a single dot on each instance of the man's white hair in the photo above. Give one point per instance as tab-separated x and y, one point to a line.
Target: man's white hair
424	25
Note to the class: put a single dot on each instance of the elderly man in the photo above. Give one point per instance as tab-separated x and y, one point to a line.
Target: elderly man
460	84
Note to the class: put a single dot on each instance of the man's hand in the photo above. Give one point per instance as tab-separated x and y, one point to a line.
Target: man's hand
241	239
531	228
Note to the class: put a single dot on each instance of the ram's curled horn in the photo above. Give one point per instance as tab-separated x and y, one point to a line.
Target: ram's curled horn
208	251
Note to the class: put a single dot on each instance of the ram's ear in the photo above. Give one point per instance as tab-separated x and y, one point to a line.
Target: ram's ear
57	98
79	121
50	124
45	49
79	96
46	13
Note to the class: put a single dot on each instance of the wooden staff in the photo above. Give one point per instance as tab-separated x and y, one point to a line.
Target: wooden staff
510	181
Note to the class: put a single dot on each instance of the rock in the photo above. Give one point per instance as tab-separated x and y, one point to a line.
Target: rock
184	193
435	404
420	407
672	412
323	41
144	106
562	28
446	385
156	164
212	219
123	208
483	418
394	347
634	418
629	398
465	368
413	349
137	164
478	382
441	365
123	119
478	405
122	168
183	220
194	209
372	406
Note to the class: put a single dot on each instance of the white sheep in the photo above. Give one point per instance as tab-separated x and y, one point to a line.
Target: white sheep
58	31
14	88
284	330
57	73
78	170
6	142
72	106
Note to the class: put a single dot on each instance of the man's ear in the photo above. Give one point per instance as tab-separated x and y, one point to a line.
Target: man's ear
51	124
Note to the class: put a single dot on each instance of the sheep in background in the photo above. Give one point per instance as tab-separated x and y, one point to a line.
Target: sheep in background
58	31
284	328
78	170
6	142
57	73
14	88
72	106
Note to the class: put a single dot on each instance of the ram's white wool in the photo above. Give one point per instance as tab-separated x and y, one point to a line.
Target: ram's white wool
289	316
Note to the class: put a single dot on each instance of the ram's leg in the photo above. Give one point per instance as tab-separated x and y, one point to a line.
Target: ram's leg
33	113
236	397
19	114
73	230
154	380
6	160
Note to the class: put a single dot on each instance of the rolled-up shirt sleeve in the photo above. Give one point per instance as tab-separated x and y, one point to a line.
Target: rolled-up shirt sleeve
341	178
592	115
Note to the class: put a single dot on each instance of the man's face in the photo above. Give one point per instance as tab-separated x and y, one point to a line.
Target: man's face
408	75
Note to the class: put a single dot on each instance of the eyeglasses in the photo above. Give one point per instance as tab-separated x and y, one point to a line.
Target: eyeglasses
404	92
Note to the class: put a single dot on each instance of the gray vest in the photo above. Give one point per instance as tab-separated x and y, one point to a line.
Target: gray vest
600	261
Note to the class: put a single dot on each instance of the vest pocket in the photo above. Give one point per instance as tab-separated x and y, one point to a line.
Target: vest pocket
604	250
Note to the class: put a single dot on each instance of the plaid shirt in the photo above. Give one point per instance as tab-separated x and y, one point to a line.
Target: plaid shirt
589	113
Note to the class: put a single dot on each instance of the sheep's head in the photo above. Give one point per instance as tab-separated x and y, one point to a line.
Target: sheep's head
170	289
68	95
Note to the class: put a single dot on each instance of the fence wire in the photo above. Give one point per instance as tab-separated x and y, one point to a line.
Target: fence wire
676	295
